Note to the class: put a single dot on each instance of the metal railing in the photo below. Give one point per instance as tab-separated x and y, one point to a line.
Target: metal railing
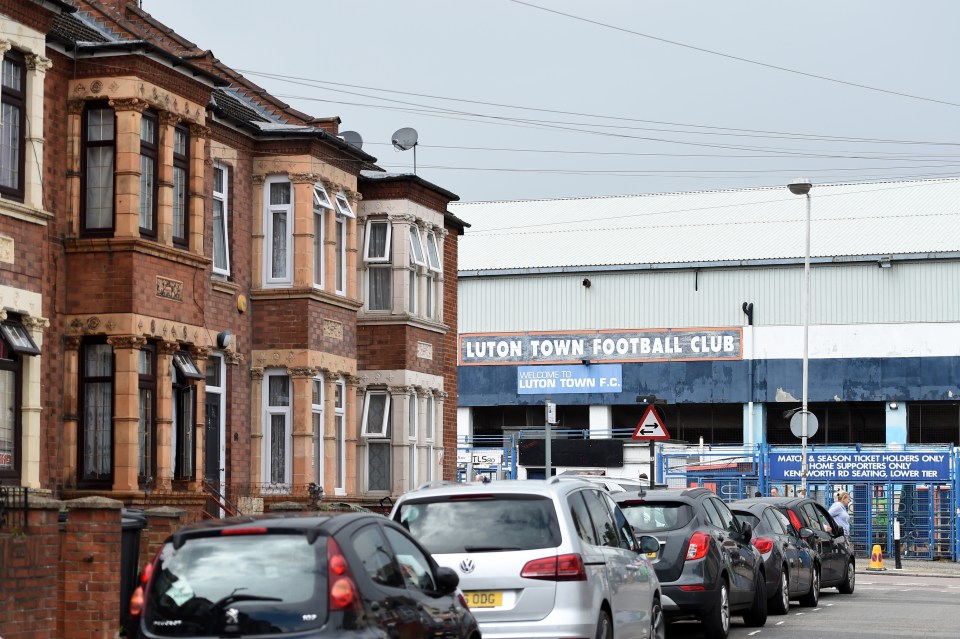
13	508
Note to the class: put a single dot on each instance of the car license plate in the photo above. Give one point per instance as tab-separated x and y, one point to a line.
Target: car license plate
484	599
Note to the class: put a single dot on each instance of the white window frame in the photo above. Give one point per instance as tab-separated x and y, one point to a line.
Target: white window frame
417	254
429	431
267	432
340	437
217	361
224	198
318	447
430	301
375	430
412	440
287	278
343	205
340	248
321	204
435	253
413	299
385	257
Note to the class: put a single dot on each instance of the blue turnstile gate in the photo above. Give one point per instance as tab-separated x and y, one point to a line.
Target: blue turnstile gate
914	488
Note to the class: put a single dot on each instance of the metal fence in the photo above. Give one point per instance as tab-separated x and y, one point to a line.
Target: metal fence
13	508
922	511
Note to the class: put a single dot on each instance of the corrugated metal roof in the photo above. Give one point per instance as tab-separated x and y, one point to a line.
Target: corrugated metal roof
876	218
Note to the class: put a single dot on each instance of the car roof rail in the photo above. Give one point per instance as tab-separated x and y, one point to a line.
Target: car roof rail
558	478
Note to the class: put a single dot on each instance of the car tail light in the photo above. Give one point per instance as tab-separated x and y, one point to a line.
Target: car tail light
698	546
562	568
343	590
138	597
693	588
763	544
794	520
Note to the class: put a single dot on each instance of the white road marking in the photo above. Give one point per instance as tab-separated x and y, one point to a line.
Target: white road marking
755	632
779	623
815	609
828	605
799	613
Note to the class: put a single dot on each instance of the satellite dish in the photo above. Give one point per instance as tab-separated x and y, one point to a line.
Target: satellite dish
404	139
352	138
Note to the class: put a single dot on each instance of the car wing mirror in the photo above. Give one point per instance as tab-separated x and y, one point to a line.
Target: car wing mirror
447	580
648	544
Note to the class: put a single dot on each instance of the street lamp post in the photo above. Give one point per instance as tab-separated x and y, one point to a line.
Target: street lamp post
802	186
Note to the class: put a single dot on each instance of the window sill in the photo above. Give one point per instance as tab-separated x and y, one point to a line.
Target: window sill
224	286
21	211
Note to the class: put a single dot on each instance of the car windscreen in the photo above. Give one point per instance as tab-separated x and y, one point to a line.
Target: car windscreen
647	517
238	585
494	523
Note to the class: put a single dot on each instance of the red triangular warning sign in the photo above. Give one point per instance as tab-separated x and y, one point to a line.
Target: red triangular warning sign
651	426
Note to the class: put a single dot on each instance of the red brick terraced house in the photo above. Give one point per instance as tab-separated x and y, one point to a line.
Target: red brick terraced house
209	299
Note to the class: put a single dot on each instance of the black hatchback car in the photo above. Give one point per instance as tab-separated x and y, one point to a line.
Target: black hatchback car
706	565
837	560
792	566
348	575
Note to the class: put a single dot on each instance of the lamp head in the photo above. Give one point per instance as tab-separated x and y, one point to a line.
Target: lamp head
800	186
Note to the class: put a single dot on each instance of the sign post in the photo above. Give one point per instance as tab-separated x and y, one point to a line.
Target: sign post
550	418
651	428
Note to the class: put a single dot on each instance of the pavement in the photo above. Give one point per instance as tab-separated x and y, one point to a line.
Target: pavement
911	568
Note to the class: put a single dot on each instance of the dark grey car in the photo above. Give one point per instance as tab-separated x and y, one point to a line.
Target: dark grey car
707	567
792	566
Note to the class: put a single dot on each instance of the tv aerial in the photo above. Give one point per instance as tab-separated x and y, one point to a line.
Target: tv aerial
405	139
353	139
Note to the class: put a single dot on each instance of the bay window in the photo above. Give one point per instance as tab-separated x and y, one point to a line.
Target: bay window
185	371
15	343
146	425
340	241
376	431
13	96
316	414
148	174
181	175
277	429
428	436
412	440
321	204
278	232
340	437
376	254
97	172
96	412
221	221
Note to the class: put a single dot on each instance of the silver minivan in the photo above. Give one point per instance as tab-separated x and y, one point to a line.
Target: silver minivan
537	558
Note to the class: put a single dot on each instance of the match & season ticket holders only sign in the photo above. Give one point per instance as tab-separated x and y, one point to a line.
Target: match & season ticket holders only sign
852	466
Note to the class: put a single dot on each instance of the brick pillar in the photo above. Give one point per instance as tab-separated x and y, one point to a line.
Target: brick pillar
355	391
329	432
399	438
352	247
161	523
28	574
197	189
74	144
126	410
31	407
303	228
302	381
200	355
129	112
168	121
439	428
89	579
256	426
37	66
164	416
256	256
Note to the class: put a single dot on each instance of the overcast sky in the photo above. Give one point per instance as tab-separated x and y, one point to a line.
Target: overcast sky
513	100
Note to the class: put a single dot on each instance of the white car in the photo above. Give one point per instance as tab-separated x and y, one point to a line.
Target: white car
538	559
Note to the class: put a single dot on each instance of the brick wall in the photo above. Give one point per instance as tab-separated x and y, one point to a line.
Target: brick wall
446	356
28	572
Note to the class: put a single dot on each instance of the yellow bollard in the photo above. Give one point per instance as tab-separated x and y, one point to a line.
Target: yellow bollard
876	559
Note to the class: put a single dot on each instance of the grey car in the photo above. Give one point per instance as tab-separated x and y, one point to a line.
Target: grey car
538	559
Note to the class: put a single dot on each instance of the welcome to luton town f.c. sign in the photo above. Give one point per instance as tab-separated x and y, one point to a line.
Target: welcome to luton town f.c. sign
651	426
